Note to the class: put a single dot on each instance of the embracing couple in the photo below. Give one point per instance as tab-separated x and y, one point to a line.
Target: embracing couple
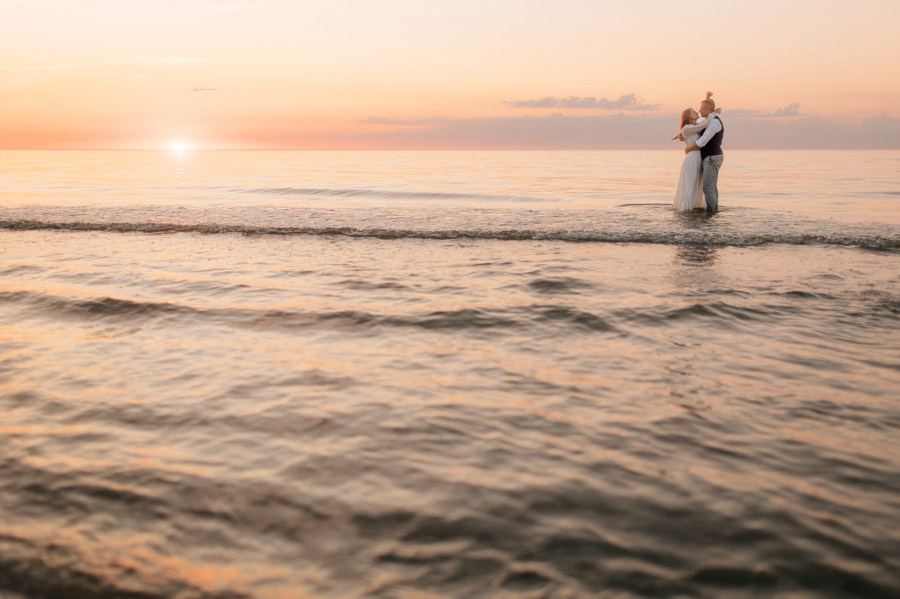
703	157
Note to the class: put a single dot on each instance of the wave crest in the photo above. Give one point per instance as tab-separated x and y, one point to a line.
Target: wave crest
665	237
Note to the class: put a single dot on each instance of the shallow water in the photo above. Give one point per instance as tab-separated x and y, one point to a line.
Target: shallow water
446	374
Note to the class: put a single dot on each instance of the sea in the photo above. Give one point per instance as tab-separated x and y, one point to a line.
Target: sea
444	374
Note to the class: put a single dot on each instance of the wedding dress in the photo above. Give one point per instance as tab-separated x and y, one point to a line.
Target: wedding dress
689	193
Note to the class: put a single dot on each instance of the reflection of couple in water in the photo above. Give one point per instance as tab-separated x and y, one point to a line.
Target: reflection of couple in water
702	135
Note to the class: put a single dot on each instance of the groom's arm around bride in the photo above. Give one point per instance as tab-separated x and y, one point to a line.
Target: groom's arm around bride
714	125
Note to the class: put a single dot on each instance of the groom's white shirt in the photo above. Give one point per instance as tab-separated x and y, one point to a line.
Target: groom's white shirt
715	125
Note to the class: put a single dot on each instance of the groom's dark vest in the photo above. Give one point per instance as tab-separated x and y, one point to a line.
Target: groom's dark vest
714	146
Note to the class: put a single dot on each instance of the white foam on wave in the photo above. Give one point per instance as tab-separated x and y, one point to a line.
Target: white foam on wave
716	237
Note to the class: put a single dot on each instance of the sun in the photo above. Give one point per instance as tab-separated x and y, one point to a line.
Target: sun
180	146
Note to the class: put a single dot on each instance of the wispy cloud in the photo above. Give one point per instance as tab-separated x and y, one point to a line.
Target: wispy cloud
786	111
555	131
160	60
34	74
626	102
228	8
204	89
377	120
28	75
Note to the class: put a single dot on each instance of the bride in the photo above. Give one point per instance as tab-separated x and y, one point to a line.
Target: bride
689	193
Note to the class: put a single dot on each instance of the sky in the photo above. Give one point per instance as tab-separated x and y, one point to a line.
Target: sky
436	74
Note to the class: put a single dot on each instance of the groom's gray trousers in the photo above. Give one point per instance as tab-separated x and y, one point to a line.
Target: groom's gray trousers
711	166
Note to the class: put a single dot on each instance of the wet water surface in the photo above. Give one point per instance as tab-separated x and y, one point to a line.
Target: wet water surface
442	375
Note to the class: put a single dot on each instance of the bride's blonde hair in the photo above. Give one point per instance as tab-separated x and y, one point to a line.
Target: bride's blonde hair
685	118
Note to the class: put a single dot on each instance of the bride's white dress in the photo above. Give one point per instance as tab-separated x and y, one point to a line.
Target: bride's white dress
689	193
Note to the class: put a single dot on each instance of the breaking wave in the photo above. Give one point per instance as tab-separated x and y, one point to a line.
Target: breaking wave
717	237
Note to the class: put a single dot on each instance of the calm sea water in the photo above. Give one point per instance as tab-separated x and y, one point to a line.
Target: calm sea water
448	374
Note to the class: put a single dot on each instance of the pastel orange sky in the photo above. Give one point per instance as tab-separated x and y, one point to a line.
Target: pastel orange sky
443	74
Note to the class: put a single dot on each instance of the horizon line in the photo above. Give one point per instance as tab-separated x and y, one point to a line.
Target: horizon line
432	149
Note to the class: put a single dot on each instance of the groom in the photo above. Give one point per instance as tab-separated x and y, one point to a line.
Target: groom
710	146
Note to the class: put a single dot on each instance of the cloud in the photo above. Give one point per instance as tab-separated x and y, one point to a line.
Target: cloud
160	60
626	102
555	131
228	8
36	74
375	120
787	111
627	131
29	75
812	132
203	89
